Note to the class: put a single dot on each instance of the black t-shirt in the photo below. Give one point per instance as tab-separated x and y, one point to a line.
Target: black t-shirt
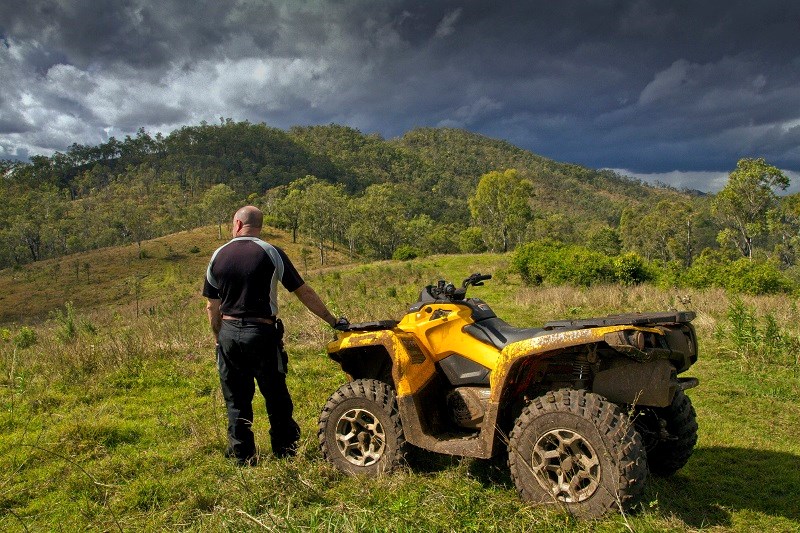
244	275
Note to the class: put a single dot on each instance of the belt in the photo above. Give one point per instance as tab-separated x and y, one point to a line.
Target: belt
243	319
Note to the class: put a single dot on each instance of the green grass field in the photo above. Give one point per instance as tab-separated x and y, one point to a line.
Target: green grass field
112	417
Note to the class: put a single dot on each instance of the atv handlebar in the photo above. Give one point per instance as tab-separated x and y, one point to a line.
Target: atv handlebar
447	291
476	279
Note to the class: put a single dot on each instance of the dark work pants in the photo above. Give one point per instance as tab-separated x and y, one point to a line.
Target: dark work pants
251	351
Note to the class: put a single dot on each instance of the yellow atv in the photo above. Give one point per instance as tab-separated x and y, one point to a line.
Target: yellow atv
584	408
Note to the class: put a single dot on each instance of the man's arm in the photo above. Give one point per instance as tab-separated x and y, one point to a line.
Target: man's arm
312	301
214	317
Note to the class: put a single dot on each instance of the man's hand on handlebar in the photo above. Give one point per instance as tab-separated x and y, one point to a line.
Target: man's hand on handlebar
342	324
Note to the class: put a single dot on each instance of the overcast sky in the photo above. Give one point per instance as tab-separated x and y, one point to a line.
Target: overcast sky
676	91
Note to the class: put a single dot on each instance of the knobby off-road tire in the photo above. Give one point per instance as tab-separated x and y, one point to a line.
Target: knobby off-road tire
574	449
359	429
666	454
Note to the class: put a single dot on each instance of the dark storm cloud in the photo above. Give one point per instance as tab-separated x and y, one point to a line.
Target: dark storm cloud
13	122
87	33
646	86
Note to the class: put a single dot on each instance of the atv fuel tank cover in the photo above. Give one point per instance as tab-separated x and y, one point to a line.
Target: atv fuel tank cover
480	309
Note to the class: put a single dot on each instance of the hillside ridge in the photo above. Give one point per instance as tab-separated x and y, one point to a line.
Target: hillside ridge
117	277
130	190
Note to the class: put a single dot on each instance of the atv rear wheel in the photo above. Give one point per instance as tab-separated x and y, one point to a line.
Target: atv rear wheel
359	429
669	434
575	449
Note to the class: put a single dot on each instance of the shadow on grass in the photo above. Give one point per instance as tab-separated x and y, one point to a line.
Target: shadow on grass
718	481
488	472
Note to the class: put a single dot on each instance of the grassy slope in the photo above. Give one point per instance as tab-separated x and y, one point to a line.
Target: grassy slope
122	427
110	277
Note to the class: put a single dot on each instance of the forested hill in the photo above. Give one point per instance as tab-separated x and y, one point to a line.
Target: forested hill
461	158
381	194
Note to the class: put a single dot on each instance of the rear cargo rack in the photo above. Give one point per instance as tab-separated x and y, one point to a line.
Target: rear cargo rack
634	319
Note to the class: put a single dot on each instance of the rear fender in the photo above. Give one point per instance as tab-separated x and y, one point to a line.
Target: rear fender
641	377
539	347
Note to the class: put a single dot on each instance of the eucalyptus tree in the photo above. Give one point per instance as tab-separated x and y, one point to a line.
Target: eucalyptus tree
219	203
500	207
322	205
747	203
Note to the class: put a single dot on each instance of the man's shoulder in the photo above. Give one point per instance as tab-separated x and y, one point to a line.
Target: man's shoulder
221	248
248	246
268	246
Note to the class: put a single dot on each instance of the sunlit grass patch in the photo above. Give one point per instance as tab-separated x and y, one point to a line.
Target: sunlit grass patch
122	426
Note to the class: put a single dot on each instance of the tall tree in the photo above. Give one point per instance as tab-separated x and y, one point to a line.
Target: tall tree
747	202
379	220
322	203
219	202
785	227
289	209
32	213
500	208
663	231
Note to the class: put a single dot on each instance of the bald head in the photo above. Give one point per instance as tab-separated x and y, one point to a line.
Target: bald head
247	221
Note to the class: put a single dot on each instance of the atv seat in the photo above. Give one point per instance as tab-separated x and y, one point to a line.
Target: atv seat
498	333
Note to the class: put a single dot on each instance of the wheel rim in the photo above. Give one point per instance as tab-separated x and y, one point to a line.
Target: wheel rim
360	437
566	466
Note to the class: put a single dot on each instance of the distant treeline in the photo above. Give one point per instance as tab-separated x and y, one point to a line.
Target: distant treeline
433	190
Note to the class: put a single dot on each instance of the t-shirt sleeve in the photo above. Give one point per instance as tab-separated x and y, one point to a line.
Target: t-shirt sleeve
291	277
209	291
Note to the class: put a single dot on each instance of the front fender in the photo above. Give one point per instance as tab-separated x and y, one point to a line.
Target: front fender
412	367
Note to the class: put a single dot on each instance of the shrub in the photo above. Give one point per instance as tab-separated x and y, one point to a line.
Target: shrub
67	327
405	252
755	278
758	339
470	241
556	263
604	240
706	271
580	266
533	261
630	269
714	269
25	337
666	275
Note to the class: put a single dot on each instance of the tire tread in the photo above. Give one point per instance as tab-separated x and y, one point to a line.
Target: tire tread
625	447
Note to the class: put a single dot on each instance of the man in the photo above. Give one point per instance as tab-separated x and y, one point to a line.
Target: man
241	287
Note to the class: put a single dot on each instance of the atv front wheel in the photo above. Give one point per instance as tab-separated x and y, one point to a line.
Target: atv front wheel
360	430
575	449
669	434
